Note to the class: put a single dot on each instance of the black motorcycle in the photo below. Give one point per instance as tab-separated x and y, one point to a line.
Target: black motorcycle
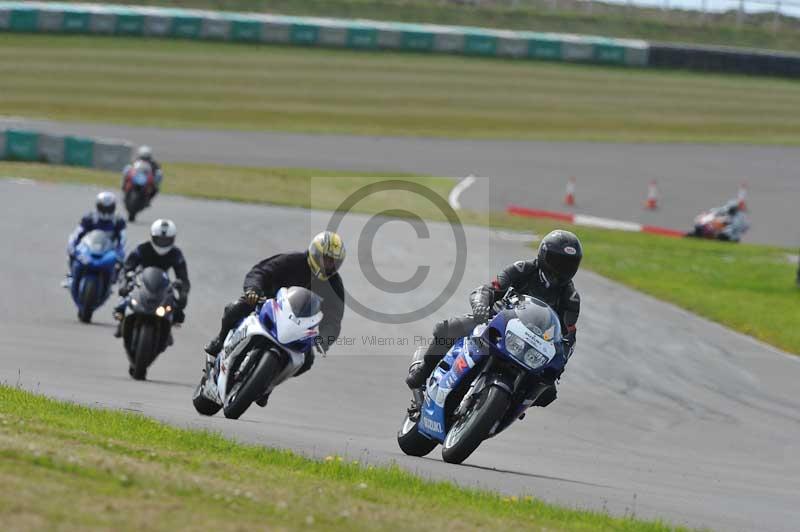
147	323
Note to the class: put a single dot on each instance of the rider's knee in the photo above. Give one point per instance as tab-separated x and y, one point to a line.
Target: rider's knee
440	330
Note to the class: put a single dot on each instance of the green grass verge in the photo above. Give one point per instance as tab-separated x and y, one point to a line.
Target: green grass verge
747	287
237	86
572	17
70	467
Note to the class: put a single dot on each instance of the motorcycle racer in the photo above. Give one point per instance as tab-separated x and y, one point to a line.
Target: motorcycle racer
145	153
731	221
315	269
160	251
548	277
103	218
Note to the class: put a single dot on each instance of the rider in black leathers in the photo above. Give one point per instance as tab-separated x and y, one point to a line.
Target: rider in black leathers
315	269
548	277
160	251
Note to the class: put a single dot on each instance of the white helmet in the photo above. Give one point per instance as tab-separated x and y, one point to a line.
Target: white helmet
106	204
162	235
145	152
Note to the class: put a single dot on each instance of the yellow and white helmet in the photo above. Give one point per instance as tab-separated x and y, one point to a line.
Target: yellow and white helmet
326	254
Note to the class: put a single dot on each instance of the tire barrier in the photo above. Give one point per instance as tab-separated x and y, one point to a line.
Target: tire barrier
723	59
32	146
100	19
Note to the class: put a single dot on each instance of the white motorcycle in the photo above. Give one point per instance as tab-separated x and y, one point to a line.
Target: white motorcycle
265	349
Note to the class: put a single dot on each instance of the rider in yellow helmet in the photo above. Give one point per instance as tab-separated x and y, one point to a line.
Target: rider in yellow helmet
315	269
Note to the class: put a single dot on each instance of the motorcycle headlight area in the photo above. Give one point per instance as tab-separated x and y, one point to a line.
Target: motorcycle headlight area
524	352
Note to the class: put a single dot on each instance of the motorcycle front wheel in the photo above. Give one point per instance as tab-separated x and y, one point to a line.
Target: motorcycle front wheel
144	350
474	426
134	202
411	442
87	298
203	405
252	386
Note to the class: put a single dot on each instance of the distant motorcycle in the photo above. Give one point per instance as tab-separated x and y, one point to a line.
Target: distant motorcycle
147	322
94	271
138	186
264	350
720	224
486	381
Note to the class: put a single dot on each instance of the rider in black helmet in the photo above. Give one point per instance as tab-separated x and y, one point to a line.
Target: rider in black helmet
547	277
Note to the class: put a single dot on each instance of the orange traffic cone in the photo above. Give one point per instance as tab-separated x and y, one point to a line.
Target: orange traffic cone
569	199
742	197
652	196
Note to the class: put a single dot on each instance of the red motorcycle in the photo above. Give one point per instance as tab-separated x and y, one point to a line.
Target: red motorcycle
139	186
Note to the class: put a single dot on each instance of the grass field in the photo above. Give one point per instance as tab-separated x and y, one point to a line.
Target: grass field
571	17
747	287
68	467
234	86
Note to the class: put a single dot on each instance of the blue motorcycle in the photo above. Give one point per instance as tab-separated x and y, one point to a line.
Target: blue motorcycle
486	381
94	271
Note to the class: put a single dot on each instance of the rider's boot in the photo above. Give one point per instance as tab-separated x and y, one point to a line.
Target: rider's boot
422	363
418	374
67	281
118	331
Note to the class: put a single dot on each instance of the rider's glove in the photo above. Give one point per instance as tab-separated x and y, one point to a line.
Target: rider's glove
320	346
481	312
251	297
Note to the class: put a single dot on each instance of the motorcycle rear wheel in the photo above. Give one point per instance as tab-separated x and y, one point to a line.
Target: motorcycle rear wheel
411	442
254	385
144	350
87	297
468	433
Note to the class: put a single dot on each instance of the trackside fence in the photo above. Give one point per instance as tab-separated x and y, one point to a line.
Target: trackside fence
32	146
144	21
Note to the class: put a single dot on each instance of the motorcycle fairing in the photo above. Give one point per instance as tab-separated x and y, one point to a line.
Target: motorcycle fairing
139	175
267	323
462	357
94	256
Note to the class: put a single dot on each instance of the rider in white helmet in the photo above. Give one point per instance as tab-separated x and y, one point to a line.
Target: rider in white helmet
160	251
103	218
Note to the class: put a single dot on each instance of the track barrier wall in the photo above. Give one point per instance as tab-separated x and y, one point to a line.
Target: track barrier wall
145	21
100	19
32	146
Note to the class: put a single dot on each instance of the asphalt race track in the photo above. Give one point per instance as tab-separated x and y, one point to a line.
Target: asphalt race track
612	178
661	414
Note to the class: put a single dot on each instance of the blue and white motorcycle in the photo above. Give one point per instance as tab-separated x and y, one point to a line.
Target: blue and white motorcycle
94	271
486	381
262	351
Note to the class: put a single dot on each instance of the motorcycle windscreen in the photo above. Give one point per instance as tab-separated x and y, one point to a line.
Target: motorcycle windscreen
540	319
97	242
297	315
154	285
141	172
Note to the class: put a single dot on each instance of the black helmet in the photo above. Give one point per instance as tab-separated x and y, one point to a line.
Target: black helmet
560	255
